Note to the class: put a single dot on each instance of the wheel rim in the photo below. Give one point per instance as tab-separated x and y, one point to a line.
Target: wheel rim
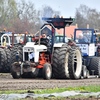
77	63
66	63
48	72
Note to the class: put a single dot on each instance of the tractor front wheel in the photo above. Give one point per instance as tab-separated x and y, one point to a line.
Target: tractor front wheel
47	71
15	75
24	75
34	73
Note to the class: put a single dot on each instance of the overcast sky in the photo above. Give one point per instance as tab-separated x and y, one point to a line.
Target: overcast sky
66	7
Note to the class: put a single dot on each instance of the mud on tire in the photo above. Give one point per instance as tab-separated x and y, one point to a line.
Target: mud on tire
75	62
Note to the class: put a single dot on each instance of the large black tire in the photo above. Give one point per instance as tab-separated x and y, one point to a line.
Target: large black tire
34	73
54	62
75	62
60	62
15	49
15	75
47	71
3	60
8	63
94	65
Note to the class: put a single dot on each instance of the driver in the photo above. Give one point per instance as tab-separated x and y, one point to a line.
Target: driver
20	41
82	39
45	41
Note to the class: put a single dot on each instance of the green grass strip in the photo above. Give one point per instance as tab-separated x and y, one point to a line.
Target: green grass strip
90	88
5	73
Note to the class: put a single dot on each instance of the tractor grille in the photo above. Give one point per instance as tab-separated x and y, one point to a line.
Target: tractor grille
27	56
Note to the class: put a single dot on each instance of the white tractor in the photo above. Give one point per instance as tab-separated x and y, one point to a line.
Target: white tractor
35	57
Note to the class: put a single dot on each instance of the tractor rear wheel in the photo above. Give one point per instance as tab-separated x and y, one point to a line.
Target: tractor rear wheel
75	62
94	67
3	60
60	62
55	63
8	63
15	49
47	71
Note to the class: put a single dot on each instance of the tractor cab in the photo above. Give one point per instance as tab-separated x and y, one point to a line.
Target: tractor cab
58	23
84	38
97	42
11	39
6	39
97	38
60	38
29	38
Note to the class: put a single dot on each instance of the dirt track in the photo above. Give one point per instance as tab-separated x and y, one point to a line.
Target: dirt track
8	83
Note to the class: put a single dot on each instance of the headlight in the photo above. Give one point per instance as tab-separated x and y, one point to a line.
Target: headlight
28	49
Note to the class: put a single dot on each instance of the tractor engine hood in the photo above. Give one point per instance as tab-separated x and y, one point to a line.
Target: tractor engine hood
35	47
31	48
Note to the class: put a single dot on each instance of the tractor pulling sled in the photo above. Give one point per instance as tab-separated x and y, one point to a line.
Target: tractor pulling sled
67	62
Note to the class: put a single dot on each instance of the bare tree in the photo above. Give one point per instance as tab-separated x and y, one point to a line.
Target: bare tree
27	17
8	11
22	16
85	15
